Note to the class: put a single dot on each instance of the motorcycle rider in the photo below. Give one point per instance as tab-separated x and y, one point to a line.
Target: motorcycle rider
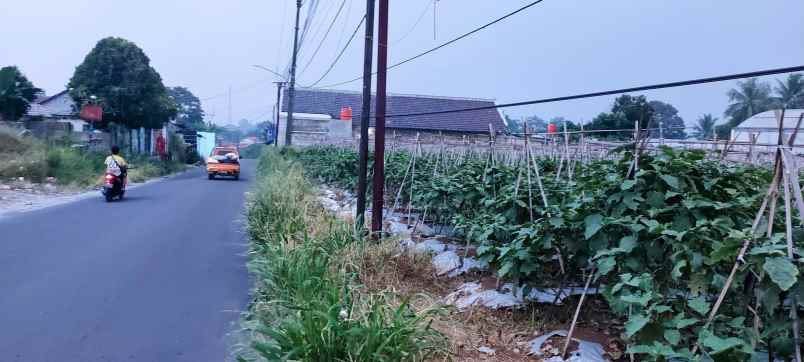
116	164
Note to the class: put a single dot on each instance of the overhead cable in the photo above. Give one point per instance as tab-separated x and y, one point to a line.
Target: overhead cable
343	50
463	36
615	91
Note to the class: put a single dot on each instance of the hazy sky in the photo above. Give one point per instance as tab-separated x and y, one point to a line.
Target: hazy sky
556	48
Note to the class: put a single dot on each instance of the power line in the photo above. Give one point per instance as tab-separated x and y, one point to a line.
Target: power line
615	91
465	35
281	34
346	23
343	50
416	23
324	38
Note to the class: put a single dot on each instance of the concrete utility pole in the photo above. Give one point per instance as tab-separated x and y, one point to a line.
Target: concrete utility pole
279	86
379	123
365	113
292	89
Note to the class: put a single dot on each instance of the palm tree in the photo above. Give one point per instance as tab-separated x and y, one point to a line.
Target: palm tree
705	126
749	98
790	93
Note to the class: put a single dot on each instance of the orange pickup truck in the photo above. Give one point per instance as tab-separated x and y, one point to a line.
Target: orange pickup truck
224	161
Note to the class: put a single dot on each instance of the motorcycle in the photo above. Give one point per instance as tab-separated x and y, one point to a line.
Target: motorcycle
114	187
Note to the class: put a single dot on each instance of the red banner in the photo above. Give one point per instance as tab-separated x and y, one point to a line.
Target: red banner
92	113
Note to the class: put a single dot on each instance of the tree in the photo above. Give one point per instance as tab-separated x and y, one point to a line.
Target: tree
130	91
535	124
16	93
705	127
625	112
790	93
189	111
666	116
749	98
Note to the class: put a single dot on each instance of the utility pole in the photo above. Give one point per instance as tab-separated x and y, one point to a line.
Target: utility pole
230	104
365	113
379	123
292	89
279	86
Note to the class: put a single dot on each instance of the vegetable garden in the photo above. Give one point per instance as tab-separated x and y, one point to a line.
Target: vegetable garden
689	251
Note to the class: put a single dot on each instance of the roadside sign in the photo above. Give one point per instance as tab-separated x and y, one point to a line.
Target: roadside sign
92	113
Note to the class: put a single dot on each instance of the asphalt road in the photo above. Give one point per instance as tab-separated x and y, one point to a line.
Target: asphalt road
160	276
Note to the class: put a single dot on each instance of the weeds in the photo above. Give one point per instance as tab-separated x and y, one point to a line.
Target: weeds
36	161
307	304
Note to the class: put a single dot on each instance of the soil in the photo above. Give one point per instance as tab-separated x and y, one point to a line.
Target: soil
506	331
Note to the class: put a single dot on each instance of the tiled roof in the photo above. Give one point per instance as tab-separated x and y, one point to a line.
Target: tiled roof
330	102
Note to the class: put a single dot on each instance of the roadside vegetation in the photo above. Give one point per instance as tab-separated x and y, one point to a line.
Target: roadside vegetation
308	302
36	161
659	243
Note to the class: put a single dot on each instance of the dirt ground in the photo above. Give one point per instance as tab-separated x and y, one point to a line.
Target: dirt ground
505	331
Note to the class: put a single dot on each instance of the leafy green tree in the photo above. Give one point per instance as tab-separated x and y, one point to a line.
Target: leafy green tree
790	93
189	111
666	116
16	93
130	91
705	127
535	124
749	98
624	113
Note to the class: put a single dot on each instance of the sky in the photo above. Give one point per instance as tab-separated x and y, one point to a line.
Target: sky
556	48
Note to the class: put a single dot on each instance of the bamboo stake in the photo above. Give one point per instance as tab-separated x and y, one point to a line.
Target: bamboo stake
413	178
577	312
530	185
790	254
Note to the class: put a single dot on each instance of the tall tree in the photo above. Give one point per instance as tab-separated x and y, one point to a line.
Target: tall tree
624	113
16	93
130	91
749	98
666	116
790	93
189	111
705	127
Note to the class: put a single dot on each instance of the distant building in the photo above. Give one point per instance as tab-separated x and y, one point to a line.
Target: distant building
317	112
59	108
764	127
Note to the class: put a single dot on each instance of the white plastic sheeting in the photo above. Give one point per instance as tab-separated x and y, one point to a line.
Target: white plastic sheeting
473	294
587	351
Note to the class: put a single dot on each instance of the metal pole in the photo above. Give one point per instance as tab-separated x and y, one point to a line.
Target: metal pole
379	123
365	113
278	111
292	89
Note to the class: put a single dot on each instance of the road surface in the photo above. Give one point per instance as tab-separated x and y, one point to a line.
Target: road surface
160	276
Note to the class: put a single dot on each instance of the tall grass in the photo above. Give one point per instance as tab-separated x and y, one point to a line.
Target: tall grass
307	306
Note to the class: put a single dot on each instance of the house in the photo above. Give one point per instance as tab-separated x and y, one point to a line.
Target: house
59	108
763	129
318	112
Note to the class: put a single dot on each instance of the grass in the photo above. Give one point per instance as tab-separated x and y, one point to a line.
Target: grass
35	161
308	303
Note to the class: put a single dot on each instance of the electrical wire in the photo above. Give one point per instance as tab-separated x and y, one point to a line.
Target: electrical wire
721	78
324	38
415	24
346	23
450	42
281	34
343	50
